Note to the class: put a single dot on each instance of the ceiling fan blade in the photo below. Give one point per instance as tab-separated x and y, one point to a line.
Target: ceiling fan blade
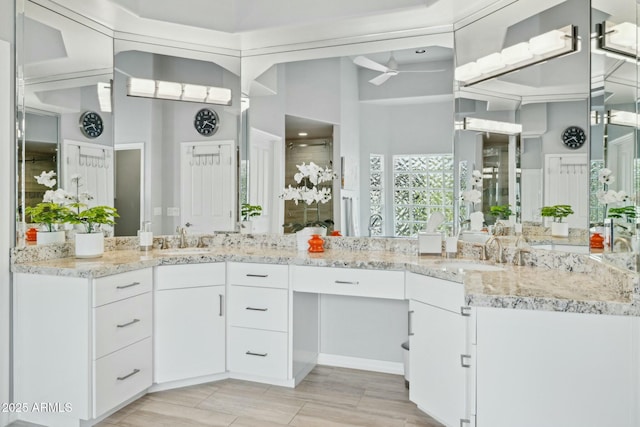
421	71
368	63
380	79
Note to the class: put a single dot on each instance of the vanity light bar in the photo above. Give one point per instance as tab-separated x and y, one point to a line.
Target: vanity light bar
621	39
104	96
623	118
538	49
148	88
492	126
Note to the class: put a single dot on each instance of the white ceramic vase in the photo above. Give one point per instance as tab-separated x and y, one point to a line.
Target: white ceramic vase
303	236
89	245
560	229
47	237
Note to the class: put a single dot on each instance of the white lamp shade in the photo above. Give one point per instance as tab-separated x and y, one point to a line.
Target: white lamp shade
467	71
169	90
516	53
490	63
195	93
141	87
548	42
219	95
625	34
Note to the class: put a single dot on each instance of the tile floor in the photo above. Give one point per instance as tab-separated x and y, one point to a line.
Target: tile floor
327	397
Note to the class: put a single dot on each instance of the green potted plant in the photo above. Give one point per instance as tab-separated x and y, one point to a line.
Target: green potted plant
89	239
51	213
502	213
557	212
248	211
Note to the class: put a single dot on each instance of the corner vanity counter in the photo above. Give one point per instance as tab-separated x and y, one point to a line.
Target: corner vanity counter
489	342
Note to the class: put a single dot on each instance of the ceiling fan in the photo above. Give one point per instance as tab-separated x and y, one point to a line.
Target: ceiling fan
389	70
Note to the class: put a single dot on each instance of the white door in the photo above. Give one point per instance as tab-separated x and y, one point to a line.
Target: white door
189	333
566	182
266	180
620	159
94	164
437	378
208	186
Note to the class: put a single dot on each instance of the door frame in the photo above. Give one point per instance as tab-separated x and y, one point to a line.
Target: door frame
132	146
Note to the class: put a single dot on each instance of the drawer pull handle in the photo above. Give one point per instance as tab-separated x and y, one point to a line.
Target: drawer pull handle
221	313
342	282
256	309
128	324
135	371
463	358
410	323
128	286
251	353
258	275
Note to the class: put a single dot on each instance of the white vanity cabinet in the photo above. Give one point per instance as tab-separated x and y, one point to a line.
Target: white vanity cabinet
441	352
82	342
258	343
189	333
541	368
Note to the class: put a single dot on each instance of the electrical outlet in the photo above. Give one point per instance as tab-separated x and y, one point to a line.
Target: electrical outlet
173	211
157	211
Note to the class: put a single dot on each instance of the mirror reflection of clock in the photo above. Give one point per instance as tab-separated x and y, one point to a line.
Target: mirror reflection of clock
206	122
574	137
91	124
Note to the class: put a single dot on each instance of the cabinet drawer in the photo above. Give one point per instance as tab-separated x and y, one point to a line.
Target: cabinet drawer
267	275
121	375
349	281
122	323
189	275
256	352
120	286
437	292
258	308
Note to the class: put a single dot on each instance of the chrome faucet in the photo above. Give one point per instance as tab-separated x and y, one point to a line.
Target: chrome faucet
182	233
625	243
499	254
498	229
374	221
518	259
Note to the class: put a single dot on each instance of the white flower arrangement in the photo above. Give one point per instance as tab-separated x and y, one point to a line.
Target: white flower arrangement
474	196
310	177
605	196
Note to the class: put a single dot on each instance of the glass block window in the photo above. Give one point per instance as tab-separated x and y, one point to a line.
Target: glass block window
596	210
376	190
422	185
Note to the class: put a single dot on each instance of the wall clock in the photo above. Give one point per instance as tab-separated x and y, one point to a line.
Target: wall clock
206	122
574	137
91	124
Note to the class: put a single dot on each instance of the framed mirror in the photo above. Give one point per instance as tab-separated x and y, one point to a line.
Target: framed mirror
64	68
378	114
515	111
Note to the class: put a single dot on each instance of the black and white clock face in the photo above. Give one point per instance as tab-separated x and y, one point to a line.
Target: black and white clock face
91	124
574	137
206	122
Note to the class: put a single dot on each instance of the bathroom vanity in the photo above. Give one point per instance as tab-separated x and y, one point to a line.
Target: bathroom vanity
487	347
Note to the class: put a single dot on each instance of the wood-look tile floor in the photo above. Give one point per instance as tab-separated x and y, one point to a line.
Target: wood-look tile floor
328	397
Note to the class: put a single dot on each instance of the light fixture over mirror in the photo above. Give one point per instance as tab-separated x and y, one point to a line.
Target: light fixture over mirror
148	88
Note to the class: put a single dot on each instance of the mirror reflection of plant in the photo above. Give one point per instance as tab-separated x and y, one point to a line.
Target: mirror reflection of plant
51	212
501	211
628	213
474	196
607	196
557	212
309	178
92	217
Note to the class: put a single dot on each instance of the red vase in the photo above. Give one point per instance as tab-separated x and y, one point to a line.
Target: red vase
596	241
316	243
31	234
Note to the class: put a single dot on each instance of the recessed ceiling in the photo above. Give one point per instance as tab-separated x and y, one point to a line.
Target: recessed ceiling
314	129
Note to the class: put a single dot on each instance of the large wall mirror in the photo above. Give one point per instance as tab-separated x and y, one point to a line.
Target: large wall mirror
512	116
65	68
379	114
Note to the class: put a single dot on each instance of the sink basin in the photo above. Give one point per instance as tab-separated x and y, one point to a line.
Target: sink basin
575	249
471	266
185	251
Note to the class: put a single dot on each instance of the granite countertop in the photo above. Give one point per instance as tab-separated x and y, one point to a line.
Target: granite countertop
533	288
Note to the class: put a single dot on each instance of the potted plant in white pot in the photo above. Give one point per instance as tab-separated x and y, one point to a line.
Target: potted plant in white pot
89	238
502	213
51	213
247	212
557	212
310	192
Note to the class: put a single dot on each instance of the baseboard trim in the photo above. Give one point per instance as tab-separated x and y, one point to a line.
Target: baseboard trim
264	380
360	363
188	382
